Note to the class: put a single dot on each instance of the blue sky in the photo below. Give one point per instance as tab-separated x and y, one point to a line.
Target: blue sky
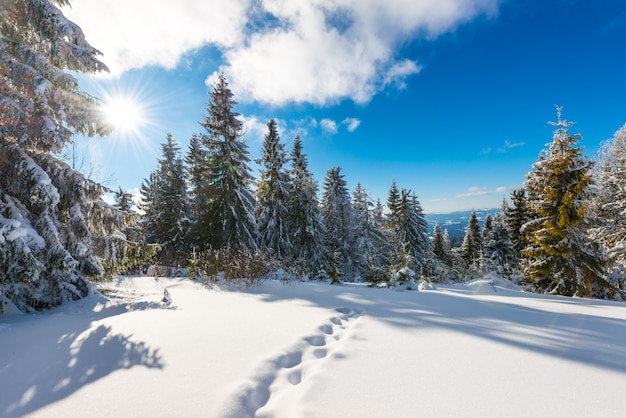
449	97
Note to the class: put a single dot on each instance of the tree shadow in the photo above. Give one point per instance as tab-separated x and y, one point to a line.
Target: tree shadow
61	352
589	338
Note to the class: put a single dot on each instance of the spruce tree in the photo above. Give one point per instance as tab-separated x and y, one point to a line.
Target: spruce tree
52	218
515	217
227	219
499	254
166	206
471	249
195	165
371	243
610	203
561	257
438	243
273	195
410	234
307	228
336	211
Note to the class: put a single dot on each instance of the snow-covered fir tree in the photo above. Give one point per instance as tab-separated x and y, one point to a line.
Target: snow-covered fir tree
410	233
371	243
50	215
471	248
273	193
515	217
195	165
561	257
487	226
610	204
499	254
166	206
441	244
307	227
336	211
226	220
393	206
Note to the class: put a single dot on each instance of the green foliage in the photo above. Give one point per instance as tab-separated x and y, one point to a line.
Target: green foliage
231	266
561	257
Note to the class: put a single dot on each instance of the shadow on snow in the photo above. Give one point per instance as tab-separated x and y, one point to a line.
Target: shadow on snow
588	338
76	354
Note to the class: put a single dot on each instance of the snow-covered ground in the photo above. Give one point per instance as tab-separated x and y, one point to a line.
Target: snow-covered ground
315	350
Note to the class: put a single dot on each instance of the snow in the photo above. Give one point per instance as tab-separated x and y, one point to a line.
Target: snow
304	349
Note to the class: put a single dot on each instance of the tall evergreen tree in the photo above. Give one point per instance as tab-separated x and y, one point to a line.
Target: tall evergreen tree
515	217
561	257
610	203
50	215
487	226
438	243
336	211
273	195
410	235
499	253
227	220
308	232
195	166
393	206
471	249
371	243
166	206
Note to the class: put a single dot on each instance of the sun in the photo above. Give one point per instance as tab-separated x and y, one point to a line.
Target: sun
123	114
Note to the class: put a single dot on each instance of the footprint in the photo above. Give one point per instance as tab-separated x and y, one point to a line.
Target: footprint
290	360
326	329
295	377
320	352
316	340
345	311
336	321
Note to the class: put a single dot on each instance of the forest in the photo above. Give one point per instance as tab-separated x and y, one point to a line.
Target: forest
204	213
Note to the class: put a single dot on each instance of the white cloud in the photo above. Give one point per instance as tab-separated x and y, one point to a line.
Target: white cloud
474	191
510	145
329	126
482	191
351	124
138	33
315	51
254	129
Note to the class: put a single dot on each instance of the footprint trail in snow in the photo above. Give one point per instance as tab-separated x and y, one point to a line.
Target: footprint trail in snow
282	379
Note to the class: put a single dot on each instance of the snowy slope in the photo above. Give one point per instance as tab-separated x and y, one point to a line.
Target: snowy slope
314	350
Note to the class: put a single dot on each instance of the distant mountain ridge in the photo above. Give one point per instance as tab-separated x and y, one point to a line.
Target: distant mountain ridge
456	222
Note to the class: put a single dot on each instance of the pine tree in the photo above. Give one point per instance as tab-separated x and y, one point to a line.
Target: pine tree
393	205
471	249
610	203
371	243
307	228
195	165
52	218
487	226
273	195
227	221
499	254
516	217
166	206
410	235
561	257
438	244
336	211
